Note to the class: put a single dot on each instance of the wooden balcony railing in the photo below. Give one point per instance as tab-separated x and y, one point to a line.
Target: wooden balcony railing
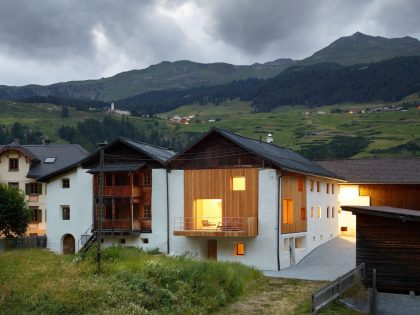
211	226
126	224
120	191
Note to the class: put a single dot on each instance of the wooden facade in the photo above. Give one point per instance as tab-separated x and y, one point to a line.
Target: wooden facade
392	246
399	196
239	208
293	192
127	201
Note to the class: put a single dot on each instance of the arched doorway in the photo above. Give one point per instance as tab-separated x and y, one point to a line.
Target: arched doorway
69	244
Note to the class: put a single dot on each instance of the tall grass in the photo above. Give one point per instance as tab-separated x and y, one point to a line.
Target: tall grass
40	282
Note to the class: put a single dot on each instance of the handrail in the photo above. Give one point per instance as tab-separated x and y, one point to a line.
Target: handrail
236	224
86	235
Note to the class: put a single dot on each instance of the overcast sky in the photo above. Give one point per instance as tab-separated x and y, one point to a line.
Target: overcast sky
48	41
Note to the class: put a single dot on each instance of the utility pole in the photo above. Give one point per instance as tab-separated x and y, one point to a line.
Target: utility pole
101	203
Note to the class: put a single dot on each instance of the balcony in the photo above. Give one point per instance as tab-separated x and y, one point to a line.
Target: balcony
120	191
126	225
216	226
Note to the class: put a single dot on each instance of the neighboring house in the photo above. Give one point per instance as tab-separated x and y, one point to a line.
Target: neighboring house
22	165
69	201
238	199
388	239
376	182
135	198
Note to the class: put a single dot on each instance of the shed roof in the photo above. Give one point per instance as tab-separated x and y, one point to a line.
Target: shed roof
376	170
387	212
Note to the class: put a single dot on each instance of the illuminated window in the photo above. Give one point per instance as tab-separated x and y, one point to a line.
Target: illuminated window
208	213
287	211
238	183
303	214
317	186
328	188
312	212
319	212
300	184
311	184
240	249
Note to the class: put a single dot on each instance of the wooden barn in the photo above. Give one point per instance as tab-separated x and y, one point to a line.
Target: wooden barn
388	239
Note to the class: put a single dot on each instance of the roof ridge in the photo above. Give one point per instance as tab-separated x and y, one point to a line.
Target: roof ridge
148	144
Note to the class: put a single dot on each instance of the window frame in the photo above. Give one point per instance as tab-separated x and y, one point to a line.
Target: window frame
65	183
63	212
15	168
242	185
240	249
147	179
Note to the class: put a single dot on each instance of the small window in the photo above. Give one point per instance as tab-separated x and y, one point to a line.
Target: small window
303	214
147	179
311	184
66	183
13	165
50	160
65	212
240	249
328	188
36	215
332	188
238	183
319	212
147	212
145	240
333	212
312	212
13	185
300	184
317	186
287	211
328	212
33	189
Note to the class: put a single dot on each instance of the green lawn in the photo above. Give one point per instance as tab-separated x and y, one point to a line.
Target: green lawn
135	282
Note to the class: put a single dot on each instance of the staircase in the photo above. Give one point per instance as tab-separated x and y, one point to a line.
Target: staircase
86	240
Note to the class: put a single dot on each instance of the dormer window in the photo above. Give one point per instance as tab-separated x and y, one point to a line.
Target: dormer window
50	160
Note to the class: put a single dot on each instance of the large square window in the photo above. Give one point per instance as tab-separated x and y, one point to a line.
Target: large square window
238	183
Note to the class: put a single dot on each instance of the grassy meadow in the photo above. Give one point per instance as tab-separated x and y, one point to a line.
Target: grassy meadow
135	282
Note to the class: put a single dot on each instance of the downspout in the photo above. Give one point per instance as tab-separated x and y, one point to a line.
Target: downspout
167	212
278	220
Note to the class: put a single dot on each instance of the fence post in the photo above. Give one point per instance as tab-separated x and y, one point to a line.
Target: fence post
372	306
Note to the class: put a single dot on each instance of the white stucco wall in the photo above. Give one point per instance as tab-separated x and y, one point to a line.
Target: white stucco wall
260	251
78	197
349	196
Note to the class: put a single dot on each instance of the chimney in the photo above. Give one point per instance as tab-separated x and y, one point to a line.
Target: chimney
270	138
46	140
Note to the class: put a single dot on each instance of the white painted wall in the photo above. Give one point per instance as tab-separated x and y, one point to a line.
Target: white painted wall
78	197
349	196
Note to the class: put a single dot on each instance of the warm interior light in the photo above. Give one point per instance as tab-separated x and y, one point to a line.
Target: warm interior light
287	211
238	183
240	249
208	213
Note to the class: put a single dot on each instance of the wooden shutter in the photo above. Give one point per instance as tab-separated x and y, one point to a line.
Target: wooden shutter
39	189
39	215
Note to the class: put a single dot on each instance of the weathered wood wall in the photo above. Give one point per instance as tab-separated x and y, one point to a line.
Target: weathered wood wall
393	248
289	190
398	196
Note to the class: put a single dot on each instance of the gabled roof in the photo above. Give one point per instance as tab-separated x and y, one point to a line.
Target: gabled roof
283	158
376	170
64	154
155	153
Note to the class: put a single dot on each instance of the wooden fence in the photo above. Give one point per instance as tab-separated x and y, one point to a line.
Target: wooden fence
23	242
332	291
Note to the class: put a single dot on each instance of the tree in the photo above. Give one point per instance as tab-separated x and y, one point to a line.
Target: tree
65	112
14	212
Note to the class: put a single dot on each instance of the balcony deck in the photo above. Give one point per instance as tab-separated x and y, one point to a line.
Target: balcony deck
214	227
126	225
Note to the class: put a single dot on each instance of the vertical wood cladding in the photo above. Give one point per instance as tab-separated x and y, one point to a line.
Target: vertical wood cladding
216	184
290	189
398	196
393	248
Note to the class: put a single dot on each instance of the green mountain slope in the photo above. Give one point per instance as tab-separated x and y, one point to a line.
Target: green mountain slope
165	75
361	48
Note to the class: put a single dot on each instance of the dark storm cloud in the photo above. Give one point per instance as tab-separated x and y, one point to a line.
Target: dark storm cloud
51	40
